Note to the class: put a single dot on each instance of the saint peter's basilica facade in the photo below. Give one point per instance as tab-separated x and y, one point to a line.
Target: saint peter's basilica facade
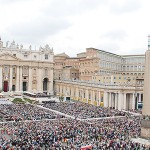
26	69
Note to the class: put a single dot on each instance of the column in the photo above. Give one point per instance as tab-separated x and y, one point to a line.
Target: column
139	97
120	101
93	97
10	79
60	90
99	98
105	99
87	96
40	81
30	80
124	101
74	93
21	89
77	93
113	100
82	96
17	79
50	87
116	100
133	101
110	100
71	92
1	78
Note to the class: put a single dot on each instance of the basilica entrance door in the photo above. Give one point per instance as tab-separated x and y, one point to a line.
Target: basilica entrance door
45	85
5	86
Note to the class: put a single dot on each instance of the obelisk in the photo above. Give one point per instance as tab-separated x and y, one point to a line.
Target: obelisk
145	126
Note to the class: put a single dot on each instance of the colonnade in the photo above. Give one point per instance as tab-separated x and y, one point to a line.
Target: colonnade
122	100
118	99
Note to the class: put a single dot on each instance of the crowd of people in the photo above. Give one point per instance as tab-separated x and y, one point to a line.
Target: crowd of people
17	112
83	111
68	134
102	131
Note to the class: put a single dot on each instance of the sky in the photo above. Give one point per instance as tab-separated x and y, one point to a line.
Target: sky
70	26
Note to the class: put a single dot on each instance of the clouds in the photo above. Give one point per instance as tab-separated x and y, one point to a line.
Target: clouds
65	8
116	34
125	6
37	29
71	26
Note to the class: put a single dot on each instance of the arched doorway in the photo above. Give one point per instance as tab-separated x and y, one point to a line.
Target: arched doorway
45	85
5	86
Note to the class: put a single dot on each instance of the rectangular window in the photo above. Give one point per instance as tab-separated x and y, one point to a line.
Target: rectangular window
46	56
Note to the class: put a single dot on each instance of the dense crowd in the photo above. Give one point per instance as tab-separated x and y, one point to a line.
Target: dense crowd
17	112
33	132
67	134
83	111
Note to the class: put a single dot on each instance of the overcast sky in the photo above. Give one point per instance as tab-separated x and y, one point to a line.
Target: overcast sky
71	26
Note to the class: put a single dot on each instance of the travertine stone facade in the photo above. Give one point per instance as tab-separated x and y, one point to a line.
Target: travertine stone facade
145	128
26	69
146	102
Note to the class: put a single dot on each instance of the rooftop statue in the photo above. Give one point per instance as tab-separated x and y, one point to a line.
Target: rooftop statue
12	45
47	48
30	47
21	46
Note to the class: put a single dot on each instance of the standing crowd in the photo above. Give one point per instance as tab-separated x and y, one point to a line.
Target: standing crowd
83	110
110	133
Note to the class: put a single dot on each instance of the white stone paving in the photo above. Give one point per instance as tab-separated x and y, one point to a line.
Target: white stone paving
141	140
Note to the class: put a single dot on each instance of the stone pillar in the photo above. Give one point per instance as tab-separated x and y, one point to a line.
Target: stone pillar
146	101
120	101
133	101
113	100
20	89
110	99
82	94
124	101
145	126
1	79
30	80
40	81
105	99
77	92
116	100
50	87
92	95
72	92
99	98
10	79
139	97
17	79
87	96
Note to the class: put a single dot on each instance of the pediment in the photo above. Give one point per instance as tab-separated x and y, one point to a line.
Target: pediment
7	56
